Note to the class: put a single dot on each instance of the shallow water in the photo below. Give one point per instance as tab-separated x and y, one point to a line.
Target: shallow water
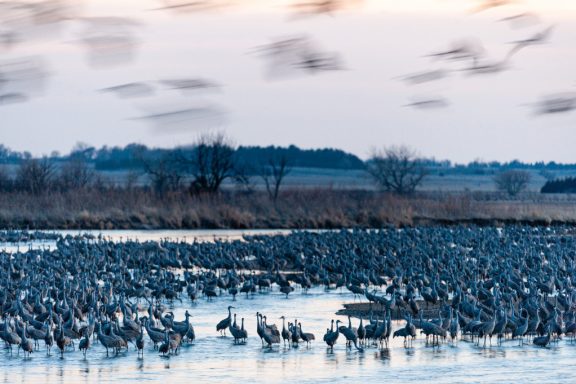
216	359
189	236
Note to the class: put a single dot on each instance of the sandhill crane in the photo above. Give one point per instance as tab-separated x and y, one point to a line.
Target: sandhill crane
521	329
106	340
140	341
267	333
307	337
26	344
543	341
331	336
455	327
164	348
154	335
236	332
285	332
84	343
225	323
48	339
350	334
407	331
62	341
10	337
295	332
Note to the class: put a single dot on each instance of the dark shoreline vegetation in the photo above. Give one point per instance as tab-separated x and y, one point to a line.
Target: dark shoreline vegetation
214	184
141	208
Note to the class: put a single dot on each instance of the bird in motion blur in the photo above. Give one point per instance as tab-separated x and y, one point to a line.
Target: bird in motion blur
489	4
321	7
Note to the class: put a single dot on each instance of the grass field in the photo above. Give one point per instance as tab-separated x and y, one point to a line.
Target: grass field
311	208
358	179
309	198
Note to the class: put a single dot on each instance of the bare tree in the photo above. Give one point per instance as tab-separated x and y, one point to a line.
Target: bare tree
210	162
166	173
131	179
76	174
273	174
396	169
512	181
5	180
35	175
243	175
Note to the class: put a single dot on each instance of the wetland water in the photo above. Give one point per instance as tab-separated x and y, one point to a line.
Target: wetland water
212	358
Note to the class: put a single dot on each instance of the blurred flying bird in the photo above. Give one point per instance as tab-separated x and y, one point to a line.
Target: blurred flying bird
523	19
8	39
428	103
189	6
109	40
299	53
26	75
315	62
483	67
129	90
488	67
321	7
489	4
189	84
12	98
185	118
426	76
460	50
556	103
52	11
538	38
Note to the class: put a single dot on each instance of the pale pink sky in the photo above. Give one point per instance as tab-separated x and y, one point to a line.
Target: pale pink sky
355	109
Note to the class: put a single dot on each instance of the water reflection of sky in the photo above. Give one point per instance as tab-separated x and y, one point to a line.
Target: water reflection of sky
216	359
188	236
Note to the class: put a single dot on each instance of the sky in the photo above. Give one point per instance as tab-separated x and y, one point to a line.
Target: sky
60	80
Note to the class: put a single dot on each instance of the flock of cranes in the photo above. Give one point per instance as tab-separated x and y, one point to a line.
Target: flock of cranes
472	54
481	283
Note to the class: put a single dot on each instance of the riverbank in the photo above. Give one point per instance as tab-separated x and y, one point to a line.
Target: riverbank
294	209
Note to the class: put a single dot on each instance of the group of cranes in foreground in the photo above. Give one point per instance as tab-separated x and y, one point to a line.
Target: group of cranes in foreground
475	283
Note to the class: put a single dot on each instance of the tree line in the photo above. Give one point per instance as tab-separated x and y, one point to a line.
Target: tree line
563	185
214	159
201	169
130	157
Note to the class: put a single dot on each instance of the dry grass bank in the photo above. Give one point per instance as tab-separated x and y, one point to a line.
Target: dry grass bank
320	208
